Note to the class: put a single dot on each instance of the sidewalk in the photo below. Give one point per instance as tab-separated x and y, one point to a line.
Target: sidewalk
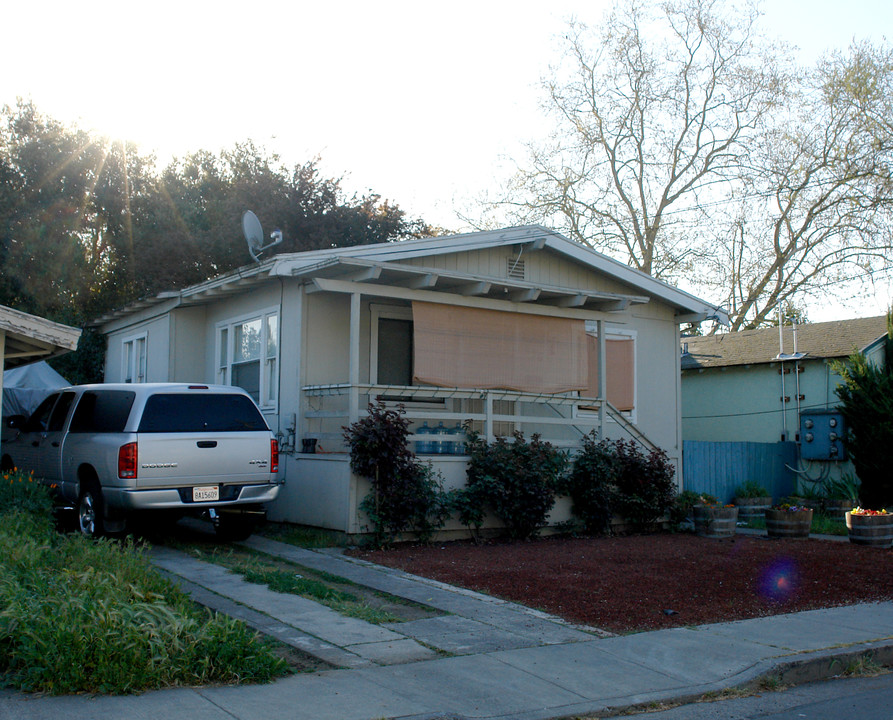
505	660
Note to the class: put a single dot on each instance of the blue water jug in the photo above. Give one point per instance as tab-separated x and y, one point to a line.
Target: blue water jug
424	447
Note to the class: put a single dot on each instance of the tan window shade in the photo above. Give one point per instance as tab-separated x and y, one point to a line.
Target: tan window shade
474	348
620	356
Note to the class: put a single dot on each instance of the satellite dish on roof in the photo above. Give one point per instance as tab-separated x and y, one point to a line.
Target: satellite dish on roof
254	235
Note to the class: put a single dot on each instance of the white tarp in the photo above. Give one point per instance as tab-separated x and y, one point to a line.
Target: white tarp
26	386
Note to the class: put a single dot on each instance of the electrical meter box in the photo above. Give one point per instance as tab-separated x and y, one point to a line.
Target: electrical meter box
821	435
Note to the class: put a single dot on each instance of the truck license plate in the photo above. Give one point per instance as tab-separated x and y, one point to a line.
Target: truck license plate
204	494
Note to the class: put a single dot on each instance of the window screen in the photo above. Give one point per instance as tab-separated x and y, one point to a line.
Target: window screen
478	348
200	413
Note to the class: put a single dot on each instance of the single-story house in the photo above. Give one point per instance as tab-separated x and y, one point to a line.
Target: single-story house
755	386
26	338
504	329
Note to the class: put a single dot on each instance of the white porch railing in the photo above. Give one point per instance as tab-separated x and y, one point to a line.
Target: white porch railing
561	419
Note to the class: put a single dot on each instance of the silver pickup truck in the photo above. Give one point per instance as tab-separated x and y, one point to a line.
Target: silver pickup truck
117	449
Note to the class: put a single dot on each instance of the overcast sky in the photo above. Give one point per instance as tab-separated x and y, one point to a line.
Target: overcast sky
420	102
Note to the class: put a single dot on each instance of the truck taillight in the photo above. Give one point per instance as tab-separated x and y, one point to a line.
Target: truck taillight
274	456
127	461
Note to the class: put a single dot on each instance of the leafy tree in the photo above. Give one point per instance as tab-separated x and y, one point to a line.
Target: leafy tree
87	225
866	397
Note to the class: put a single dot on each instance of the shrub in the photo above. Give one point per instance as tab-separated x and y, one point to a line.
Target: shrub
751	489
590	483
867	406
405	496
515	480
644	484
683	503
20	491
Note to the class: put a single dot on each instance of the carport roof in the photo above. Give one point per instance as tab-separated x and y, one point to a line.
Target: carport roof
30	338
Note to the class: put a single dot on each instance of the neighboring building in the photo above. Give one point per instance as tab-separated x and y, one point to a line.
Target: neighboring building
752	386
504	329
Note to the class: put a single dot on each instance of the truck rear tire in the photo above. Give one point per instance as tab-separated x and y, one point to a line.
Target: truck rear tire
90	511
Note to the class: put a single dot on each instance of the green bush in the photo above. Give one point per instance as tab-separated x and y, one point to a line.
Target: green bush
590	483
751	489
405	496
867	407
78	615
515	480
683	503
19	490
644	487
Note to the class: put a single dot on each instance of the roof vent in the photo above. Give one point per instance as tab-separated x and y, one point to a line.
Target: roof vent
515	268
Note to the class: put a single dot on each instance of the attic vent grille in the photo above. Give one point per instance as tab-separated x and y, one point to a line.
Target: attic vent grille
515	268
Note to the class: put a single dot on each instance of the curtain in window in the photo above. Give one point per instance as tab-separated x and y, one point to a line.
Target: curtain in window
621	373
475	348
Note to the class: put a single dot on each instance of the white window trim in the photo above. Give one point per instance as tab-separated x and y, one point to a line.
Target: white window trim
616	333
268	391
134	363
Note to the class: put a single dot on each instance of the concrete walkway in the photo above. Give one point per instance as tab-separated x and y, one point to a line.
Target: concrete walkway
505	661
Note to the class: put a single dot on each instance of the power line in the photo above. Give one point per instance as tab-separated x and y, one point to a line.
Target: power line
758	412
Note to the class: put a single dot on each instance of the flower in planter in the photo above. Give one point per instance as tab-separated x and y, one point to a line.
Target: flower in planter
787	507
863	511
711	502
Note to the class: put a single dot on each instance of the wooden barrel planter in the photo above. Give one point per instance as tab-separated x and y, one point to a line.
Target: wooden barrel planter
788	524
838	509
752	508
715	522
871	530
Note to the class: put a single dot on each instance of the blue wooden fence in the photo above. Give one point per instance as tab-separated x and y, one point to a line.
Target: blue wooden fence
718	468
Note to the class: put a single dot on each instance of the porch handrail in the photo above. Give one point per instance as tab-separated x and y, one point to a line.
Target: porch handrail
426	392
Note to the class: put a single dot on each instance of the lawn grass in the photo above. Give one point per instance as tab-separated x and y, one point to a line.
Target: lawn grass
337	593
78	615
821	525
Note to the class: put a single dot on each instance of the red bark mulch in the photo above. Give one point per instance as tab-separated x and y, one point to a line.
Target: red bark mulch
646	582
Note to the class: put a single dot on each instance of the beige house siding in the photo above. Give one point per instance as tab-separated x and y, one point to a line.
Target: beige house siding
541	267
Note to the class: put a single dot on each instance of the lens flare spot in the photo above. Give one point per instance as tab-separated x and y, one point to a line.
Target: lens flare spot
779	581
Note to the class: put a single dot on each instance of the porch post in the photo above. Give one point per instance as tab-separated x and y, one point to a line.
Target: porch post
488	425
354	370
602	377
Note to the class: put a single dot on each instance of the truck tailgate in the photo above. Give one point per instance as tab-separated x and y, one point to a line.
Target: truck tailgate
179	459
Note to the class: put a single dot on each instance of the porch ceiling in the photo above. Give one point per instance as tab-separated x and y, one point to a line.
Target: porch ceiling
370	273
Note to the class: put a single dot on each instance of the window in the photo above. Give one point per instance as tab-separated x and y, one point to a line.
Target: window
60	412
40	418
102	411
133	359
200	413
248	356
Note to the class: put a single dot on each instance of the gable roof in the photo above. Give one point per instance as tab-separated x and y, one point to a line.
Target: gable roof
835	339
384	264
